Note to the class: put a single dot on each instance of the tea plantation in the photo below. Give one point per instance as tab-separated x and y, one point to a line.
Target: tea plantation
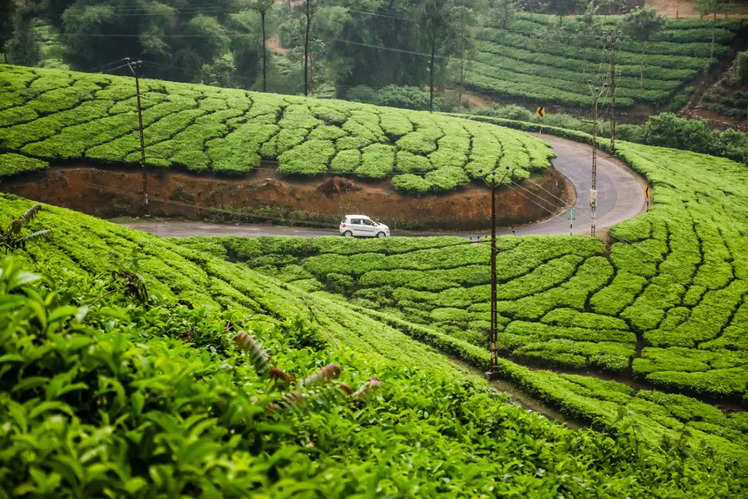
532	60
664	303
104	393
51	116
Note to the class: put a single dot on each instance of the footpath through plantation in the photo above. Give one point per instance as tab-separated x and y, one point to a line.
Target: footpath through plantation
132	364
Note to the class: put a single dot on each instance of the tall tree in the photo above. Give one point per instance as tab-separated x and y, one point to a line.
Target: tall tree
640	25
503	12
23	47
308	14
263	7
562	8
464	42
436	23
7	9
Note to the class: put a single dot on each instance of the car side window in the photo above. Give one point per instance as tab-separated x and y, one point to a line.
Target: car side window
356	221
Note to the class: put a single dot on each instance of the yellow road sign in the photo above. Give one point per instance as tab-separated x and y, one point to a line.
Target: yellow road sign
540	111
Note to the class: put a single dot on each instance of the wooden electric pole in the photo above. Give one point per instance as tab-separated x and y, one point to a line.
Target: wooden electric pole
493	335
134	66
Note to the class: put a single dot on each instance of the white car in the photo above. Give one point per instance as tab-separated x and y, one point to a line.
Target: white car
362	226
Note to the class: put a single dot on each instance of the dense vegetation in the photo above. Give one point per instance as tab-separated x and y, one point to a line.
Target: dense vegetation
536	60
729	96
51	116
665	302
104	393
664	129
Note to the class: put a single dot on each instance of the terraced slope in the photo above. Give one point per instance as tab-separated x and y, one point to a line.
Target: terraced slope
664	303
531	61
59	116
173	399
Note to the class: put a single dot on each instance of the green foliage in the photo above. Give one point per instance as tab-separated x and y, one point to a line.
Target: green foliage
203	129
741	69
518	60
11	238
406	97
163	404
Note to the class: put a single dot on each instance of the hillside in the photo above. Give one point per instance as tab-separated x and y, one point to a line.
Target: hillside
535	61
154	398
663	303
56	117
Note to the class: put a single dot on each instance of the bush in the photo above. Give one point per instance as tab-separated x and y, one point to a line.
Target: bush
741	67
406	97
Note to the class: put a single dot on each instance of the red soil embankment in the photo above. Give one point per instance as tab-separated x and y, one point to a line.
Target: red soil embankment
263	195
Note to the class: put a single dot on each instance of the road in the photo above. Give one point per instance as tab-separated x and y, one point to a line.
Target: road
620	197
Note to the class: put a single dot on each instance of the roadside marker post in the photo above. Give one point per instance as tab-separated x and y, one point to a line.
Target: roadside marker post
571	214
540	112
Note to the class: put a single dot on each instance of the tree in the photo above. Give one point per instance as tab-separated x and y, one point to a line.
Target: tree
503	12
435	21
464	43
706	7
308	14
7	10
23	47
562	8
640	25
263	7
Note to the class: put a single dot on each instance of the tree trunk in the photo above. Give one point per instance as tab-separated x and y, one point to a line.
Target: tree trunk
714	27
431	75
306	46
264	55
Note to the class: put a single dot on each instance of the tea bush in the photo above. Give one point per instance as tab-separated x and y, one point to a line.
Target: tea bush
105	395
674	278
66	116
535	60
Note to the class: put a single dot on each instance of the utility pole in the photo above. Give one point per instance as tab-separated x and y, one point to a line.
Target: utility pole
136	65
596	94
593	186
613	39
493	335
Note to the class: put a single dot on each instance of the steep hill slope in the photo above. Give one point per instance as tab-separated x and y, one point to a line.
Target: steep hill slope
534	61
665	302
148	399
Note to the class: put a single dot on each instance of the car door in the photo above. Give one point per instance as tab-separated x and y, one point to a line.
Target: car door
369	227
357	227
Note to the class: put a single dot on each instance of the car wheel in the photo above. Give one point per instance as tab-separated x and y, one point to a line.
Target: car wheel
381	234
348	233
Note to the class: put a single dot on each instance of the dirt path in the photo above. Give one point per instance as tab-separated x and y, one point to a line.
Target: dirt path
620	197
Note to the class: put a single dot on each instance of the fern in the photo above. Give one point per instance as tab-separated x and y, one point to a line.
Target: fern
257	355
327	373
279	375
368	388
10	238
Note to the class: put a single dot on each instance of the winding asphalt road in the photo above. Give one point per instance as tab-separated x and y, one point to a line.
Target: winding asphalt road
620	196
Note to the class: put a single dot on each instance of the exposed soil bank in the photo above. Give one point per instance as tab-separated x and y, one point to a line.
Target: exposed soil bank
263	195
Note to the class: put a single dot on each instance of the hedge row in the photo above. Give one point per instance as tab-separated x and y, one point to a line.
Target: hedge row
59	116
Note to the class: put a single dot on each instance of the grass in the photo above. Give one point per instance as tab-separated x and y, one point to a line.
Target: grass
51	116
